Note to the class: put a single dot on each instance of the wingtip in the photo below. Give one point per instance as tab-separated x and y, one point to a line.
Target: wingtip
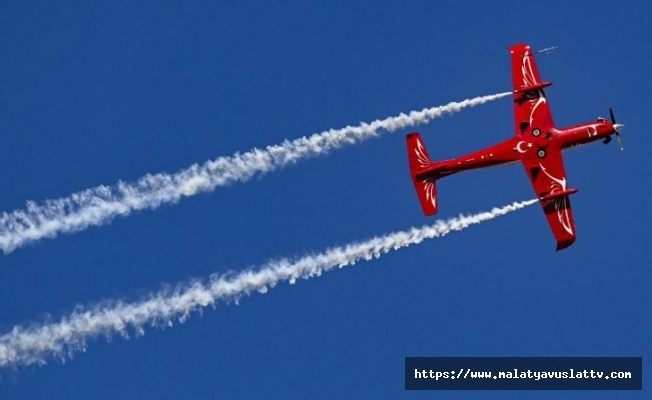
563	244
431	212
518	46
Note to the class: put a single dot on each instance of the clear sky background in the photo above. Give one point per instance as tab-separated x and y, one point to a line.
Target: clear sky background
93	94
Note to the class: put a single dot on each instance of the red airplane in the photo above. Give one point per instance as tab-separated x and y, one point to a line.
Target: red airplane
538	144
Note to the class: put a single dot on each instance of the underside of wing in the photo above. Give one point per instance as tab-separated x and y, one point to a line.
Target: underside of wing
549	182
530	103
560	217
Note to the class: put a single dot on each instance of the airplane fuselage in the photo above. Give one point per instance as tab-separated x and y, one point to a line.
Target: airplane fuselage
534	143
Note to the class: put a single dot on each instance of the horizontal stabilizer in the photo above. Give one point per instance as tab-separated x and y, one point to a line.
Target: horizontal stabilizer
419	160
417	154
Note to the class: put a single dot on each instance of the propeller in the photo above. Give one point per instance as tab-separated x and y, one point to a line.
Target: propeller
617	128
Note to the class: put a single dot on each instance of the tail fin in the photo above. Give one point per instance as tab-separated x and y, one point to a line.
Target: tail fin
426	187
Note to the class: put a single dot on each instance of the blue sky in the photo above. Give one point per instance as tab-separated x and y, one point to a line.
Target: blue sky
93	94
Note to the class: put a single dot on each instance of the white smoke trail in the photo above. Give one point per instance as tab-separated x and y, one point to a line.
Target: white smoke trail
99	205
33	345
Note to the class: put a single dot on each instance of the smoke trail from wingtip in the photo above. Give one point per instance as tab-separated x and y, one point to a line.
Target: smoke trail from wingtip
99	205
35	344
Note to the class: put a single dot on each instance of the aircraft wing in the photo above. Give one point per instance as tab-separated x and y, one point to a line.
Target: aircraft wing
549	181
530	103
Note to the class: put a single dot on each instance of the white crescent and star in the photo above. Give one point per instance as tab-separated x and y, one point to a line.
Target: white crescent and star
519	146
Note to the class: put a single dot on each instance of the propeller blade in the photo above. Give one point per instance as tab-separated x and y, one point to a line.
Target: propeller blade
620	141
617	128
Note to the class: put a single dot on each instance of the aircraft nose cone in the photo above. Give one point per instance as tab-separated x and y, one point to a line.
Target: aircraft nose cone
618	127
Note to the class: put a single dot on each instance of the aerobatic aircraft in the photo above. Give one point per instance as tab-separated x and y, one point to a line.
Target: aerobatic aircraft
538	144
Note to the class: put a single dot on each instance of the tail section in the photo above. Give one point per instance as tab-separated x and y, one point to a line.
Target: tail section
424	183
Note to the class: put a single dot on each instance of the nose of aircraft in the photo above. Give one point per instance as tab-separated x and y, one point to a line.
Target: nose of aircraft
618	127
